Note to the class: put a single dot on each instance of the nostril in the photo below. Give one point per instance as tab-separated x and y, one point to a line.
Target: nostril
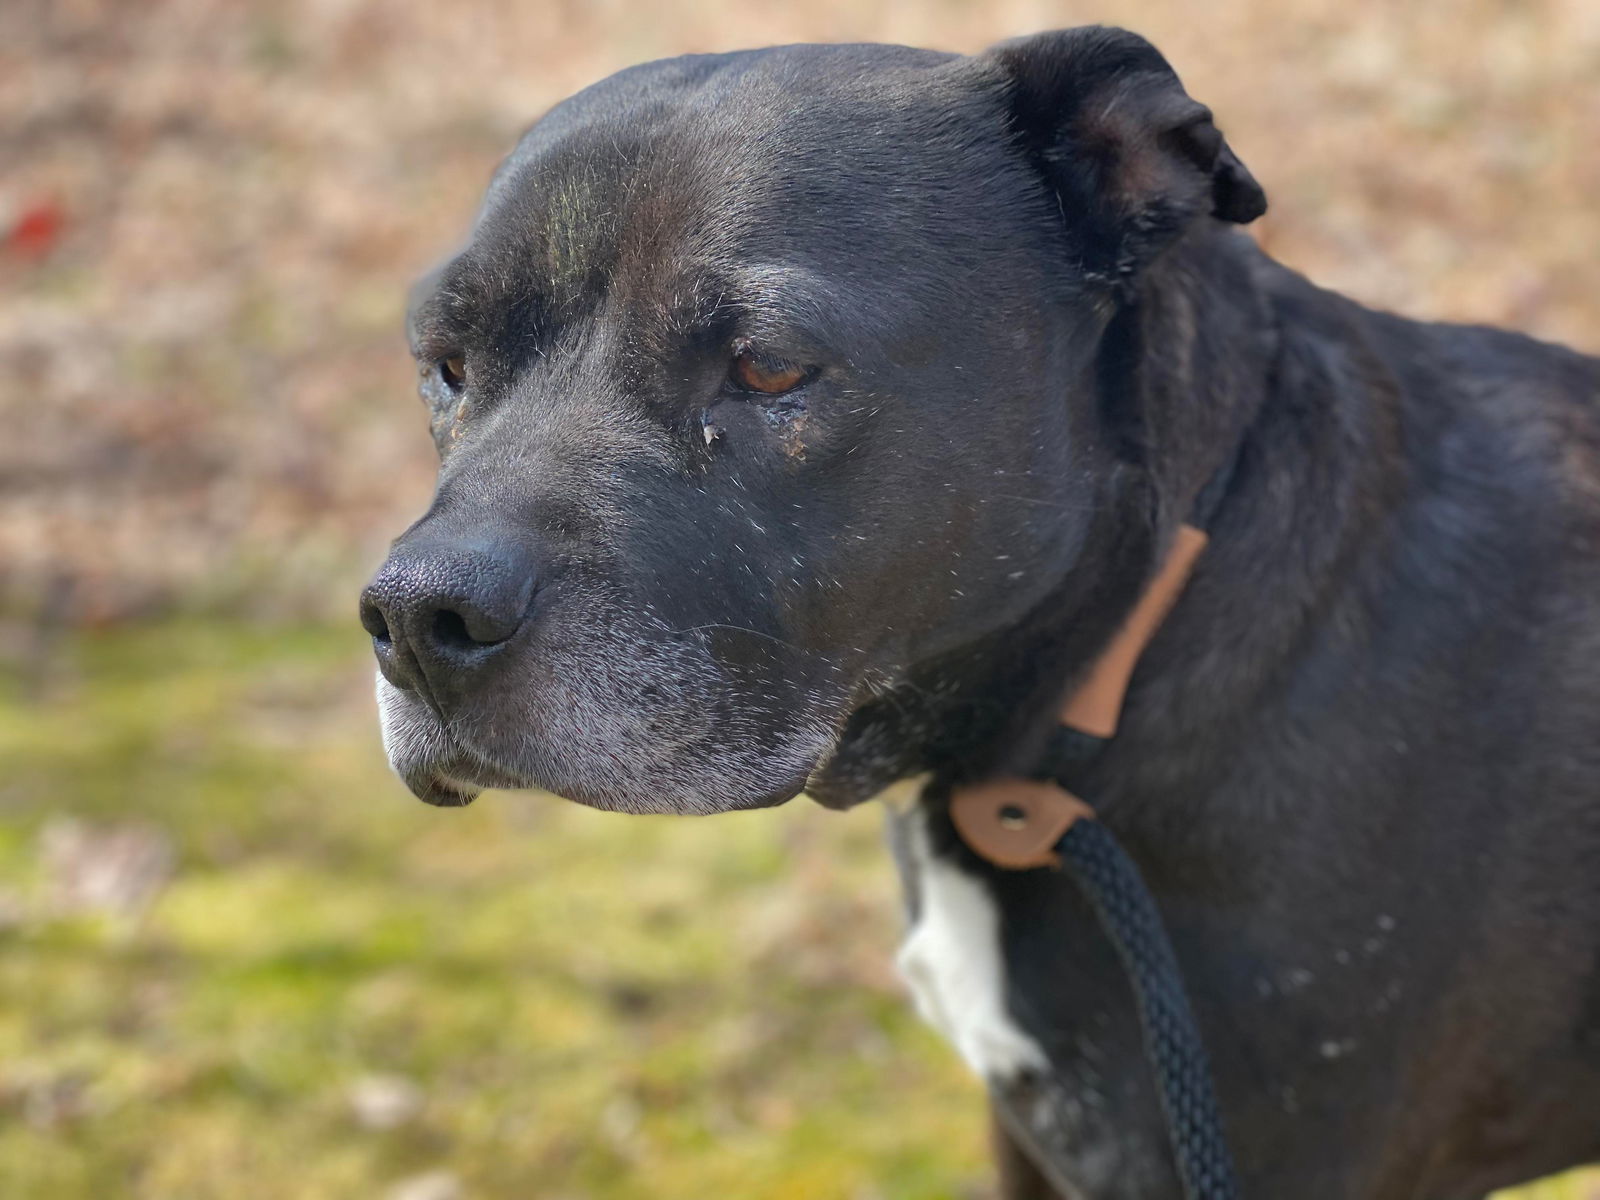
450	631
460	632
438	609
372	620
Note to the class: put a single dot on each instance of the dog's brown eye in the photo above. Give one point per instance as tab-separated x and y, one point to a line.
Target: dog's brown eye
770	378
453	371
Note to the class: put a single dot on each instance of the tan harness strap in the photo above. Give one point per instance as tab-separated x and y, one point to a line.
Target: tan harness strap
1016	823
1096	707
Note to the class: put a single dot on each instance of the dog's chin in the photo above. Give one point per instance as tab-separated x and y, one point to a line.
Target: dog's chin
454	785
441	767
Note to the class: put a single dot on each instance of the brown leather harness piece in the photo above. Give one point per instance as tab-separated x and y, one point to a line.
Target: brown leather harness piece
1017	823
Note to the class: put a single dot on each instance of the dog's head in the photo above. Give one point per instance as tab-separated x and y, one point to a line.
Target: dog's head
765	378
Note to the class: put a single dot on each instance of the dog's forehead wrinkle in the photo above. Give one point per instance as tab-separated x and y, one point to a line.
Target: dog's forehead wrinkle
745	173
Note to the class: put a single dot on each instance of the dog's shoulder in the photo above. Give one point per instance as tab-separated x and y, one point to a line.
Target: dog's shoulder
1472	408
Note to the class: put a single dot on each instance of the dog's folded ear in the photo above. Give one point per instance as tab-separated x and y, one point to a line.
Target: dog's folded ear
1131	158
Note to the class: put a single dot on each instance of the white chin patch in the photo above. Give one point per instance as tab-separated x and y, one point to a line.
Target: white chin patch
951	959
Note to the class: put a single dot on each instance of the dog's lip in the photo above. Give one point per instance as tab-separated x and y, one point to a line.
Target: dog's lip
781	795
441	790
458	781
441	768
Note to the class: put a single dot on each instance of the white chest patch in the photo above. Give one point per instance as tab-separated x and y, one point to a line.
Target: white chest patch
951	959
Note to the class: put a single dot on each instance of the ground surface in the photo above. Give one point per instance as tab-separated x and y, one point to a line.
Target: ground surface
239	962
327	988
236	960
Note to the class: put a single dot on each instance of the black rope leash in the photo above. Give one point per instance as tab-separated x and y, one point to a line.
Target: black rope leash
1039	820
1116	891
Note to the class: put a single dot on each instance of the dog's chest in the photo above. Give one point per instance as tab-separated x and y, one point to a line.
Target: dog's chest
951	957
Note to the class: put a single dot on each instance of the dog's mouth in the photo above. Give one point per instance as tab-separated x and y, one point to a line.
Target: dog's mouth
443	765
455	782
441	790
429	758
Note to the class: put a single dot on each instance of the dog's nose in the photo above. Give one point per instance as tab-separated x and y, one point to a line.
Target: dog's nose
438	610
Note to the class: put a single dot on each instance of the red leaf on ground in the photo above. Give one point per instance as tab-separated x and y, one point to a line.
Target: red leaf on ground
35	232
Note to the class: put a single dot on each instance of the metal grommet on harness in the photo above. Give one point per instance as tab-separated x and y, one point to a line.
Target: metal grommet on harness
1025	824
1016	823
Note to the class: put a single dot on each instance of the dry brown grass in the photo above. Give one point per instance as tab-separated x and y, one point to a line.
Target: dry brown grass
204	384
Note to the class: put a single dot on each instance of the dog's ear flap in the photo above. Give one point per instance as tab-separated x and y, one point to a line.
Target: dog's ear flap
1131	158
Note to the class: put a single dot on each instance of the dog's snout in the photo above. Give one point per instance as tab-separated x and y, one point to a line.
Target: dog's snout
439	610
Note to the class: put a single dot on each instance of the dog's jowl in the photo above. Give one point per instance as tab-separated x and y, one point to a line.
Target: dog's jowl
810	419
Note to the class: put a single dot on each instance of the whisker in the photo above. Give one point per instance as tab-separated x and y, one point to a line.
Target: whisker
744	629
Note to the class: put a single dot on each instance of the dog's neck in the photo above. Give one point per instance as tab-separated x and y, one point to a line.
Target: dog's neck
1207	397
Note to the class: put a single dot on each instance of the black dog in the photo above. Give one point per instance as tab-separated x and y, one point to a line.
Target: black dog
810	417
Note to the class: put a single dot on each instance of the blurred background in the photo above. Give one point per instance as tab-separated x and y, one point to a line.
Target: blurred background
236	958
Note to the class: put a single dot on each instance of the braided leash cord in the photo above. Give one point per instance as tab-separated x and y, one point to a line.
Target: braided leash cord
1111	881
1114	888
